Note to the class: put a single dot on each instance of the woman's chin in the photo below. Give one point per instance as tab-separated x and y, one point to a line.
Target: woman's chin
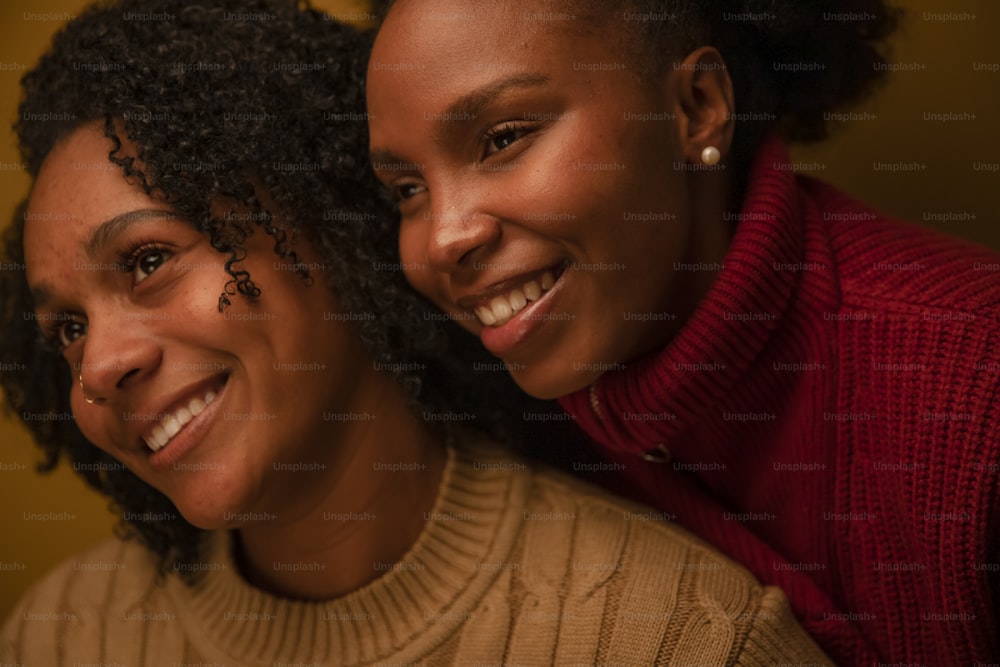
548	385
217	513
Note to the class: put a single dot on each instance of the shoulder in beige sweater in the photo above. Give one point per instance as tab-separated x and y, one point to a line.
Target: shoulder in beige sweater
517	566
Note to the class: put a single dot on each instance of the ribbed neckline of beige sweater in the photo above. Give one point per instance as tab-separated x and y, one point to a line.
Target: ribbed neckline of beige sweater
412	608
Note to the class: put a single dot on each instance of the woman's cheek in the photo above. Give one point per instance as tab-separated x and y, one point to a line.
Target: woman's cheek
413	253
90	424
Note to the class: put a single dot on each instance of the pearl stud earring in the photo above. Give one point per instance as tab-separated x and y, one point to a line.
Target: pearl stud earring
711	155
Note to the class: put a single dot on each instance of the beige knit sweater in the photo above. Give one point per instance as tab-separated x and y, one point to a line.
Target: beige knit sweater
517	566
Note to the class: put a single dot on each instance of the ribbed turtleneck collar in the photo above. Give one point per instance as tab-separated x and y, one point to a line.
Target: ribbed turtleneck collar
404	613
660	396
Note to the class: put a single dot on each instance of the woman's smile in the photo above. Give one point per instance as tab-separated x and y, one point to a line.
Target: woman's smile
187	425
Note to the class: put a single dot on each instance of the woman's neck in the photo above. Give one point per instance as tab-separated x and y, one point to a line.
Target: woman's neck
353	518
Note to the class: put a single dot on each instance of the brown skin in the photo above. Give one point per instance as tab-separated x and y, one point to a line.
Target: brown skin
543	174
144	339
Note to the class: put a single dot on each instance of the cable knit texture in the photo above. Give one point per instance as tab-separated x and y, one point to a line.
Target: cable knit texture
516	566
831	412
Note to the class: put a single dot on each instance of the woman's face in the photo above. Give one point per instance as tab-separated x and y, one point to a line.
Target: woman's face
542	204
132	293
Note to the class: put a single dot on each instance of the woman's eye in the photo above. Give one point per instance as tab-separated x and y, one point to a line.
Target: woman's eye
502	141
69	332
503	137
406	191
148	262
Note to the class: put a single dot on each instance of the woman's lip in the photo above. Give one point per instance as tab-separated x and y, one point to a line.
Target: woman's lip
191	434
504	338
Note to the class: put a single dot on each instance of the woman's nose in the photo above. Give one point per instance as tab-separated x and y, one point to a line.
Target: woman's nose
118	353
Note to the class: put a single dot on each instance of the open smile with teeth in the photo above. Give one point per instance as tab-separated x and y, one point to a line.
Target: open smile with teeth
502	308
171	425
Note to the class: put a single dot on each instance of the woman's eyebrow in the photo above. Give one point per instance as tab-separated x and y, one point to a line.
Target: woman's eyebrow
464	108
111	228
470	105
40	296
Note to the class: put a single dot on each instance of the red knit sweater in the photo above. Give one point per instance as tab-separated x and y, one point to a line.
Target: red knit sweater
832	417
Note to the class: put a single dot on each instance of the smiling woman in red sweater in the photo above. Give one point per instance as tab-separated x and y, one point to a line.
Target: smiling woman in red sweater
600	193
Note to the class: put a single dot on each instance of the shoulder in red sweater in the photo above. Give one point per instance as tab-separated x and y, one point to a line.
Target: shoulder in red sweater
830	411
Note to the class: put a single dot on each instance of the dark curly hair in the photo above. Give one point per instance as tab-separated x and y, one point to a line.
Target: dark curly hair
222	98
791	62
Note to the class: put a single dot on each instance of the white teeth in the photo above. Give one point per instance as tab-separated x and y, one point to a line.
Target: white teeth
171	425
532	291
485	315
184	416
501	309
160	436
517	300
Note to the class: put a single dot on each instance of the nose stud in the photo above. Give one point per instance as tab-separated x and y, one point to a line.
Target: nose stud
84	391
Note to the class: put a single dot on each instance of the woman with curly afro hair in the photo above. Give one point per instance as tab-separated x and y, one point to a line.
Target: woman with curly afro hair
213	275
602	194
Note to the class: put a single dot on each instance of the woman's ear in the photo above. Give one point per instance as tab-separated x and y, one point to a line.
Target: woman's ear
704	94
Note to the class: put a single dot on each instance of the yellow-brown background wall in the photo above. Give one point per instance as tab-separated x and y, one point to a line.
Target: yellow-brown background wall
950	82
